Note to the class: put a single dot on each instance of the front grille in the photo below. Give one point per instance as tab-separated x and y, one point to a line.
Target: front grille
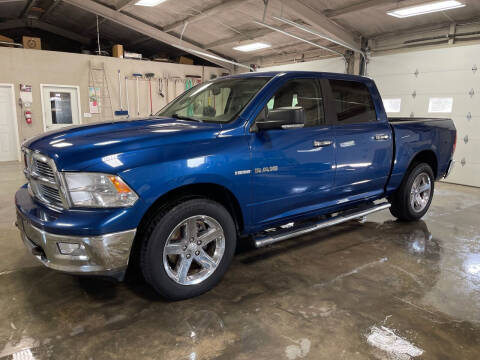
41	174
43	169
51	194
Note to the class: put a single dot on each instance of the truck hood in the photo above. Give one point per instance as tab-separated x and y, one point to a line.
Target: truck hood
80	147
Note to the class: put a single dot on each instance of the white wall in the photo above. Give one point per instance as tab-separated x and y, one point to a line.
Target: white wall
439	72
35	67
336	65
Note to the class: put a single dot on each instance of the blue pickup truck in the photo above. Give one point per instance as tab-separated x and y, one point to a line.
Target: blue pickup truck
259	157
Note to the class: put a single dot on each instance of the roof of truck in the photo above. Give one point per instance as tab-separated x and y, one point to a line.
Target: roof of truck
297	73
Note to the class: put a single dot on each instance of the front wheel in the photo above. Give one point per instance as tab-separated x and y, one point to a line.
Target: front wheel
187	250
412	200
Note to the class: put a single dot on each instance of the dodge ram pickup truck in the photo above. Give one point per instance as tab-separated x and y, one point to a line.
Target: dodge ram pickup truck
259	157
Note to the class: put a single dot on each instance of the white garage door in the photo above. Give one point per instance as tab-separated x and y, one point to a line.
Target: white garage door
438	83
8	126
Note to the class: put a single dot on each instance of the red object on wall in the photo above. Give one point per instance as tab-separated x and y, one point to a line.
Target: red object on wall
28	116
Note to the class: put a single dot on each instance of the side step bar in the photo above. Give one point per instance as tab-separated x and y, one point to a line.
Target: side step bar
268	240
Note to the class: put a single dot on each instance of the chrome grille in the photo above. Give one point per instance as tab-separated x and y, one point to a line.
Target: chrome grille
51	194
43	180
43	169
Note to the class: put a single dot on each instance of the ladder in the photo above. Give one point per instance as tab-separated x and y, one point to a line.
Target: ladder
98	82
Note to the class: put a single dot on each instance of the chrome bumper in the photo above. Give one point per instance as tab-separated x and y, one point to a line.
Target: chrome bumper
104	255
449	169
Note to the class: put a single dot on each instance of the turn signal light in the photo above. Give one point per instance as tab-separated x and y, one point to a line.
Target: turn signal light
121	187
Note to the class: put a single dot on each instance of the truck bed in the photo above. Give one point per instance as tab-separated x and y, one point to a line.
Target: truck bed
420	135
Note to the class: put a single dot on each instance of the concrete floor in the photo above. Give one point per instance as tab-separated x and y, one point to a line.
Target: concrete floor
377	290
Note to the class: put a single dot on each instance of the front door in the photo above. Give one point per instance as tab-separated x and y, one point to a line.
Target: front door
9	149
60	106
294	168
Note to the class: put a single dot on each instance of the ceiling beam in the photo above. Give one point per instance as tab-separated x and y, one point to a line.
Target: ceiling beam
357	7
320	22
27	8
214	10
245	35
142	28
49	9
12	24
288	58
58	31
37	24
123	4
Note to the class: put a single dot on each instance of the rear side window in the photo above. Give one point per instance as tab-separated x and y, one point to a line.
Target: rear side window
301	92
353	102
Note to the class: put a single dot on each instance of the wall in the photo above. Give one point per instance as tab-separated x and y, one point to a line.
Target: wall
416	76
336	65
35	67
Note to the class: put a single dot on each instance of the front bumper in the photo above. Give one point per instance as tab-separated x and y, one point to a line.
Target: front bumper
101	255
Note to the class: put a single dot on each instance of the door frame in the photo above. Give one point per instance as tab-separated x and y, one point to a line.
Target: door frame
15	119
42	86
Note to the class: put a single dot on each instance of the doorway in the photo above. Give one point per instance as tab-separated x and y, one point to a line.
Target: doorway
9	140
60	106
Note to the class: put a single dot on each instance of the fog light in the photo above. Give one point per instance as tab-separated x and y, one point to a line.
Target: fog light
68	248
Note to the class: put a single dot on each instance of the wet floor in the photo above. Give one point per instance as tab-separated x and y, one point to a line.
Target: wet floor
377	290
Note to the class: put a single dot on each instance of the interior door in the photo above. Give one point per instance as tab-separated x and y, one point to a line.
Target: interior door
8	126
61	107
364	145
294	168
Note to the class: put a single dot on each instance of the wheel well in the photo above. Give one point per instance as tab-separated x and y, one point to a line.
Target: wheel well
428	157
210	191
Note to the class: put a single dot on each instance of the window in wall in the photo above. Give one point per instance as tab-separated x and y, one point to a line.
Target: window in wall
393	105
353	102
305	93
61	107
440	105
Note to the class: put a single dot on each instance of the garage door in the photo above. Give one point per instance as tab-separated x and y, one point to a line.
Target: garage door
437	83
8	126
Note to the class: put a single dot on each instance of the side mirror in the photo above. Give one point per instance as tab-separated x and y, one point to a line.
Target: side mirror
283	118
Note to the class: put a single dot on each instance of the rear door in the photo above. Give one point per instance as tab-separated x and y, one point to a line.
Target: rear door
364	146
294	168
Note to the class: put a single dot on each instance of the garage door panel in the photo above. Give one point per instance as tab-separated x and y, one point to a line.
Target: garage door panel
447	83
445	72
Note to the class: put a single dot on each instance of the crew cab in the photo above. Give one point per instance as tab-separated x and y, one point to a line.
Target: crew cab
259	157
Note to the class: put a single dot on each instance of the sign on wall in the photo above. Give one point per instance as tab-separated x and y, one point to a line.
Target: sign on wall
94	99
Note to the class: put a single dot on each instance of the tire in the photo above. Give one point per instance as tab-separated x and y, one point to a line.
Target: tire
408	203
187	249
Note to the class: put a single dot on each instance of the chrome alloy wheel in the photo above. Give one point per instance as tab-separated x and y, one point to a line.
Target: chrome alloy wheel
193	250
420	192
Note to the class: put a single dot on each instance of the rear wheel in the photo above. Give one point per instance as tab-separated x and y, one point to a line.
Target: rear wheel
187	250
412	200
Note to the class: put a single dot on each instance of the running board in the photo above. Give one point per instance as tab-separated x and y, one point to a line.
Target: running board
341	218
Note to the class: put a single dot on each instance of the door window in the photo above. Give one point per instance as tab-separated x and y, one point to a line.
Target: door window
305	93
61	106
353	102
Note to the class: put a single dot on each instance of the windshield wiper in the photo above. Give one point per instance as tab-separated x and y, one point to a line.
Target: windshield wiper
181	117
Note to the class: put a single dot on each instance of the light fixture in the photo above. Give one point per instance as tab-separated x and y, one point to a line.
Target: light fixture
426	8
252	47
149	2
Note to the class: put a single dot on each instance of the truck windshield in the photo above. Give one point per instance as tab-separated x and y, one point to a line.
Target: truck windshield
215	101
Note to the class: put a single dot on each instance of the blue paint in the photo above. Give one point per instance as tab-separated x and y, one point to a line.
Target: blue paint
156	155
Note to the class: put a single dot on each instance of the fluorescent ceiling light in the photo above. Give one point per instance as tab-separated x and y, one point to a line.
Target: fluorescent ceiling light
252	47
149	2
426	8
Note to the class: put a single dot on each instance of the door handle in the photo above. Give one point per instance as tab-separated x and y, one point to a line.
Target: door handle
323	143
380	137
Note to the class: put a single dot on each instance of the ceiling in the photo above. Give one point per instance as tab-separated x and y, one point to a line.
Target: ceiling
214	27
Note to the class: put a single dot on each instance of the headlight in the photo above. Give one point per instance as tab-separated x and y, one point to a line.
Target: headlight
99	190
